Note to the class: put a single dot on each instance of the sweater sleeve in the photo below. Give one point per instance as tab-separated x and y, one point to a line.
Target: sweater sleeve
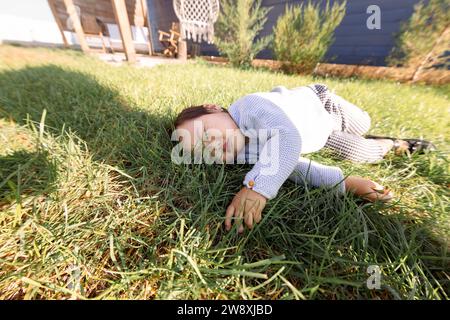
318	175
281	150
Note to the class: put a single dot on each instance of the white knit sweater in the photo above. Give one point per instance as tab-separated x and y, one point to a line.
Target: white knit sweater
296	123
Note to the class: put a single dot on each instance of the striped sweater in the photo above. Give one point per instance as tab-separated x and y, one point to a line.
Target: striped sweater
282	125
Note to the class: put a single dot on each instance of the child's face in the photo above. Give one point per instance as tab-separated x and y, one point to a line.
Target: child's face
217	132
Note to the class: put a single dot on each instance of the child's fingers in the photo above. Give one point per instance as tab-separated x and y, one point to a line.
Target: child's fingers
249	219
257	216
377	192
257	213
379	195
238	213
229	214
377	187
252	207
386	196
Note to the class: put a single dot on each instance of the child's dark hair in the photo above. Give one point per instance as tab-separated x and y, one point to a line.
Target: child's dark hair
197	111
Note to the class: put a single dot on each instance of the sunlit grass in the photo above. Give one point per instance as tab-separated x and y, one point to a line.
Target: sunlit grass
92	207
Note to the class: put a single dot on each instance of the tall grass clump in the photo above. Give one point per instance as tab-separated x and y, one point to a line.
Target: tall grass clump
303	34
421	33
237	29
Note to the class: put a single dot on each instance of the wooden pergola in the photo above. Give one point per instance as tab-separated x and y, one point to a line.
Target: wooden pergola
120	12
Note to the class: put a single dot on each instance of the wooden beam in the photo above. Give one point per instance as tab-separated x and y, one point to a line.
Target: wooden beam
138	16
120	12
147	23
51	4
77	25
182	49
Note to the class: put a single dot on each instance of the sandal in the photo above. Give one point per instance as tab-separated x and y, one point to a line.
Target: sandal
414	145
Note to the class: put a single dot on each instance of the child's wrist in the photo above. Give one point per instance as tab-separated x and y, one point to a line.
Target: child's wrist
259	193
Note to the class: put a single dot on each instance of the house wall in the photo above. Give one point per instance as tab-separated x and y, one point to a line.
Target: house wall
354	42
28	21
32	22
161	16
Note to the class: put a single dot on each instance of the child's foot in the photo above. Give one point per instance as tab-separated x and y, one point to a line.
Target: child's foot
367	189
402	146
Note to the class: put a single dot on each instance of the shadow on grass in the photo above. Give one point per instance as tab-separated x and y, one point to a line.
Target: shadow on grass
114	132
25	173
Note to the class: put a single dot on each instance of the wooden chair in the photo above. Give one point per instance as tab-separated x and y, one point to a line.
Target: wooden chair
93	27
170	40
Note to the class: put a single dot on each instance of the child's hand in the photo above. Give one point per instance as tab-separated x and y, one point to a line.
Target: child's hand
367	189
248	205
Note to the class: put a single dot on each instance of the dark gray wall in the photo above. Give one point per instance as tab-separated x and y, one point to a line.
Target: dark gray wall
161	15
354	44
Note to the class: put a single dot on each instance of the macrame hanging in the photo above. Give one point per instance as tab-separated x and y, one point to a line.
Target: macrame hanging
197	18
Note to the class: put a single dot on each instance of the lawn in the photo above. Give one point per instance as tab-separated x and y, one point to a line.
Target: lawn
92	207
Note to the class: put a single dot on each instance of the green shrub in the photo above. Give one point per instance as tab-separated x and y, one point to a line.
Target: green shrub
304	33
237	28
419	34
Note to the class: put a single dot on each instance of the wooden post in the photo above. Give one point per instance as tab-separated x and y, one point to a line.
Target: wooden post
77	25
58	22
120	12
147	23
182	49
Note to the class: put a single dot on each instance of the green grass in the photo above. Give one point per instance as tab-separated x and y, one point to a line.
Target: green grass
92	207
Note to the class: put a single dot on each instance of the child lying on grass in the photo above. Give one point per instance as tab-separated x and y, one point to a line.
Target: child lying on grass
272	130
